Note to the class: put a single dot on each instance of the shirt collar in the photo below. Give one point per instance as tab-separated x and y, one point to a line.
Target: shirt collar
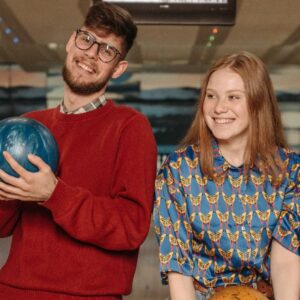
85	108
220	163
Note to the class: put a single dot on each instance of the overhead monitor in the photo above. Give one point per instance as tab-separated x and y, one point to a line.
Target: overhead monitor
185	12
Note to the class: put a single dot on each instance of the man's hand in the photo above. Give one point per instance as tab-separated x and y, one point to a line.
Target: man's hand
29	186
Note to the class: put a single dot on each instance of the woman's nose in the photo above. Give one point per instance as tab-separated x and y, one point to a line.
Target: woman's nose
221	106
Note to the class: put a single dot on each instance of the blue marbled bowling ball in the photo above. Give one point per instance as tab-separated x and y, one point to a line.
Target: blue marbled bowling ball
21	136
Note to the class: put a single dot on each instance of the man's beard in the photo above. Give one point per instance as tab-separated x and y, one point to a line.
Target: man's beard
81	88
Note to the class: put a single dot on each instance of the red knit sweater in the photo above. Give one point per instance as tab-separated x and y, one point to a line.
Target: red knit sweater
83	242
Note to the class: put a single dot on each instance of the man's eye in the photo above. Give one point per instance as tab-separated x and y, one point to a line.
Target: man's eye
86	38
107	50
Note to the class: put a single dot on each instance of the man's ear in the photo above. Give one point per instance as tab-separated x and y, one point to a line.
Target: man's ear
70	41
120	68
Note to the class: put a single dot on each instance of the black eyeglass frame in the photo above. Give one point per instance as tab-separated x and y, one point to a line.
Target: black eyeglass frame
99	44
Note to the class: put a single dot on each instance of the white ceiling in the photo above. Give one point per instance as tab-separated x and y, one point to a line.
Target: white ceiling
268	28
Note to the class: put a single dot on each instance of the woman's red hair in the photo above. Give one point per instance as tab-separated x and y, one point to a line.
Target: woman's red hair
265	129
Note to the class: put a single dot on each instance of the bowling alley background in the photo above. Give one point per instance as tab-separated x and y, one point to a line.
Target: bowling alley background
166	63
168	100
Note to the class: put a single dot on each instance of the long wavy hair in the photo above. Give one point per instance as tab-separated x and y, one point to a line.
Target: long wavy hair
265	129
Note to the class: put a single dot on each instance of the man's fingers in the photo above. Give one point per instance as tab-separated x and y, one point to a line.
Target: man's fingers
37	161
9	189
14	164
8	178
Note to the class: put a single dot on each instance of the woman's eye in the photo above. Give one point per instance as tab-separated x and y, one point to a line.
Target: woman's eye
209	96
234	97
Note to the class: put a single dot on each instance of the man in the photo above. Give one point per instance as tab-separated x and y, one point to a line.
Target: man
76	234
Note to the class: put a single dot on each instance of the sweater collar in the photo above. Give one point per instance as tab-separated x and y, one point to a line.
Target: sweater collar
95	113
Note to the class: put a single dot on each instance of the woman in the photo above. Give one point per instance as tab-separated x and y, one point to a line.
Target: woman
231	191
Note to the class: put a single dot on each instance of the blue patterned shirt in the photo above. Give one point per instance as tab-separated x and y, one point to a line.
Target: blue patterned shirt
219	232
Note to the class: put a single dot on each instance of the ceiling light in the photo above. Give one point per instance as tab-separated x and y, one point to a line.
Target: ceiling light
52	46
16	40
215	30
7	30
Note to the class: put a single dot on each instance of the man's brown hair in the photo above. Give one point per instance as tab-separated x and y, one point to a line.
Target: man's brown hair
112	19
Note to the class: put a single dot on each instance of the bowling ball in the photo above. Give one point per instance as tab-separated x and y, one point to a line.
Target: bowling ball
21	136
238	293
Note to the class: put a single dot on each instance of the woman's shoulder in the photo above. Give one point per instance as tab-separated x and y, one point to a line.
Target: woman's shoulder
289	155
291	161
186	151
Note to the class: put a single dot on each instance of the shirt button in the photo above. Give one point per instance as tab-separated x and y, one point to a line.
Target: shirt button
243	228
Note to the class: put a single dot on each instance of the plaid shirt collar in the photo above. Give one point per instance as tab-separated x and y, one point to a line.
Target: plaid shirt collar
83	109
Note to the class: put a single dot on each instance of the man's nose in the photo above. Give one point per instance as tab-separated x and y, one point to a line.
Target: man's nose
93	50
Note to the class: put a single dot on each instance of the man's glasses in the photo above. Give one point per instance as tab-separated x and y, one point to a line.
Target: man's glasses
85	40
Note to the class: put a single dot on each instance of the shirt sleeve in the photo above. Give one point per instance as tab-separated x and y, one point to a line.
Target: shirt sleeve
287	230
9	214
121	220
171	221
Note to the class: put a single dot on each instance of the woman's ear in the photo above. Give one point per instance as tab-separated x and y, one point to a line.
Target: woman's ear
120	68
